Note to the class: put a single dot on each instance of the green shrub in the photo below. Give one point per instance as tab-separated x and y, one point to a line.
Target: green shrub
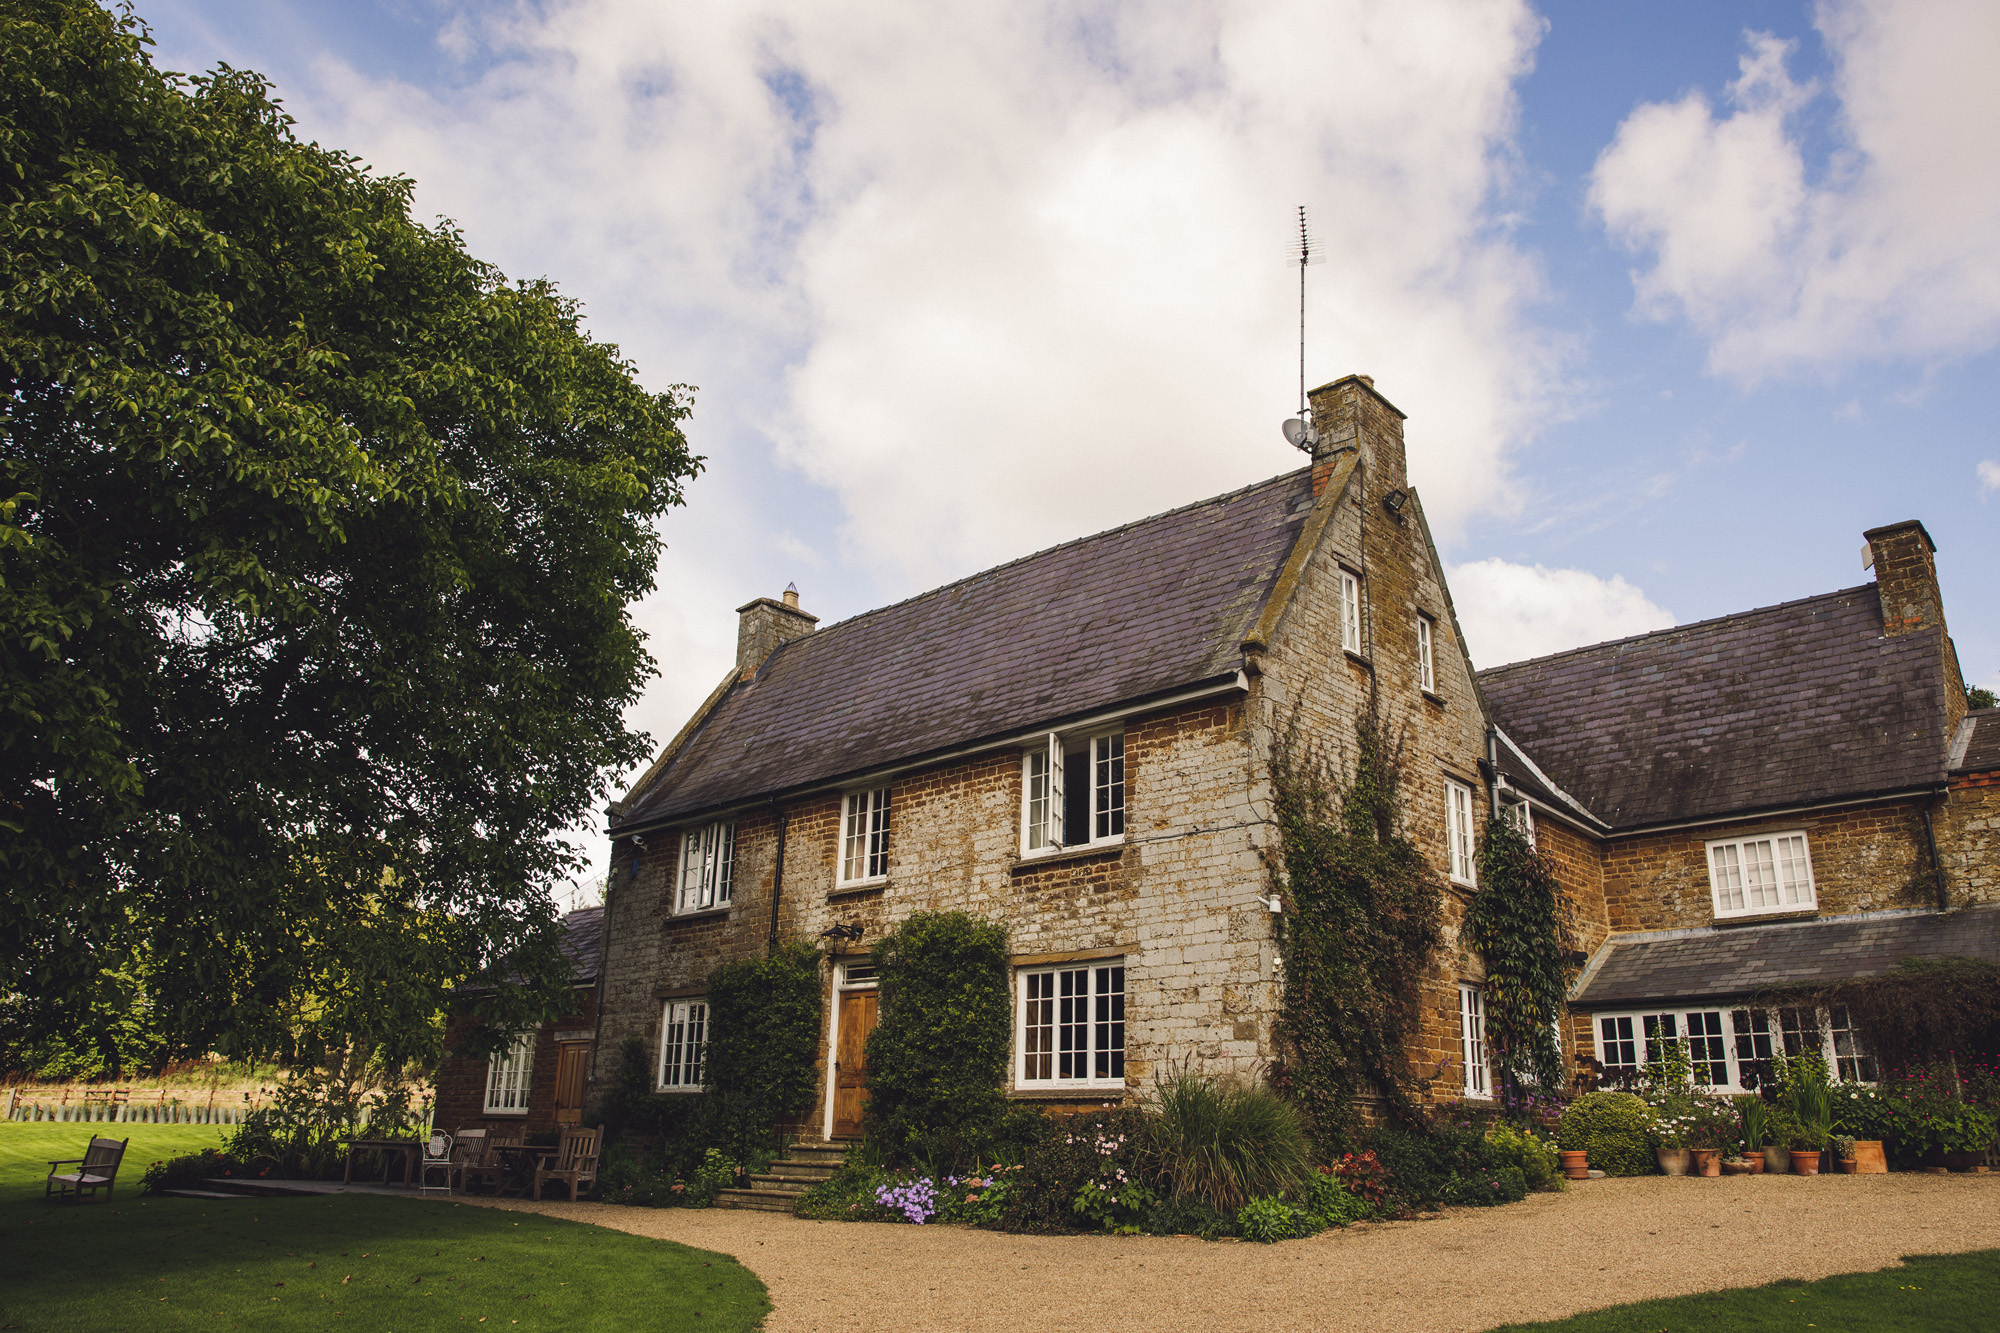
1072	1151
1537	1161
1332	1204
938	1056
189	1170
1183	1216
1423	1164
763	1042
1270	1220
1486	1186
1614	1128
716	1173
1225	1142
848	1195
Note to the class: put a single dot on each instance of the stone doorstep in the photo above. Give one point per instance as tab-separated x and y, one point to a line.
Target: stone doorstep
761	1200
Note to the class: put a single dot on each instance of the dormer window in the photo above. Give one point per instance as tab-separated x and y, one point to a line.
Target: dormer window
1073	793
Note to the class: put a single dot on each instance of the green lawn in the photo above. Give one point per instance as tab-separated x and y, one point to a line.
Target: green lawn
1931	1293
347	1261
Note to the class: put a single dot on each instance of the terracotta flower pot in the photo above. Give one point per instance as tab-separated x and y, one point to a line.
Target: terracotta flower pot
1805	1163
1777	1161
1757	1163
1868	1158
1575	1165
1673	1161
1748	1167
1845	1165
1707	1161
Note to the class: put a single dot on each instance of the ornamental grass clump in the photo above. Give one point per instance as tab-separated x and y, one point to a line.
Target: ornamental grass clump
1225	1142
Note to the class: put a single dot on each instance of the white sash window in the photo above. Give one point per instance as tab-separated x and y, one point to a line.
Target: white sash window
1070	1026
1426	664
1350	612
1472	1041
708	858
683	1044
509	1075
1073	792
1458	830
1768	873
864	851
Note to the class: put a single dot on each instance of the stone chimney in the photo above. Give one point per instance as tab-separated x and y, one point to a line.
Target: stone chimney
1905	578
1350	414
1906	581
764	624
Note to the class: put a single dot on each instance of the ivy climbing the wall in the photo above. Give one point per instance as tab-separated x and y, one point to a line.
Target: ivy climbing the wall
763	1040
1365	913
937	1058
1524	925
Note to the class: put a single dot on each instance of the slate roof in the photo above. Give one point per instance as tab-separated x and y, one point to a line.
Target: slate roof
1782	706
583	941
1129	614
1745	960
1979	750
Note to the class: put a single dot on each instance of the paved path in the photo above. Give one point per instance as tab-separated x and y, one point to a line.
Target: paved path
1602	1243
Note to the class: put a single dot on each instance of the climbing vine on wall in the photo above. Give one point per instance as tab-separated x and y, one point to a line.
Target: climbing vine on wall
763	1037
1524	925
1365	913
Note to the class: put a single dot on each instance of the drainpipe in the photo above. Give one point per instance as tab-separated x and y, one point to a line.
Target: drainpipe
777	884
1930	837
1490	770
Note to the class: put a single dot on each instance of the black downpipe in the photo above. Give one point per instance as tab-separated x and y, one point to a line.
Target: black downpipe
1937	866
777	884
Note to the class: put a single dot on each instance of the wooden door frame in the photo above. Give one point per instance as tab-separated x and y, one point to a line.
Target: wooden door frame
835	988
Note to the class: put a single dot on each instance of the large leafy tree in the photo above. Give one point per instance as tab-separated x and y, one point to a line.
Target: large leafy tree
317	538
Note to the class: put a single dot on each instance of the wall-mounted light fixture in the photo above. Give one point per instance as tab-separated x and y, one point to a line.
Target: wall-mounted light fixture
1394	502
842	932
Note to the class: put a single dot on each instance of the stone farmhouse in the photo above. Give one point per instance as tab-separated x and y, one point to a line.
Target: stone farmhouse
1076	745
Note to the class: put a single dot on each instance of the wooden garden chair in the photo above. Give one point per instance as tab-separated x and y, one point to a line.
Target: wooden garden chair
494	1159
96	1170
574	1162
467	1150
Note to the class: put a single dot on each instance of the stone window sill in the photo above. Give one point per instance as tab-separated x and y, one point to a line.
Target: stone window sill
1068	856
704	914
1766	918
1104	1094
848	892
1358	659
1432	697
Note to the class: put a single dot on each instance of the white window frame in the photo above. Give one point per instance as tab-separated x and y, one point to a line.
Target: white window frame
1458	845
1472	1050
1755	874
510	1076
1055	1023
1731	1035
1521	817
1426	656
864	837
1043	797
1350	613
707	867
683	1058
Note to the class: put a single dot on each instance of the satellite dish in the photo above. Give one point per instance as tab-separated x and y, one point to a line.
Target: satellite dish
1301	434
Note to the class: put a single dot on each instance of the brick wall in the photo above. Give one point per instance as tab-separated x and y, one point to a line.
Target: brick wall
461	1083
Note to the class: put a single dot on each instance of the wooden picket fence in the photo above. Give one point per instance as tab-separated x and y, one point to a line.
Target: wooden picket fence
123	1107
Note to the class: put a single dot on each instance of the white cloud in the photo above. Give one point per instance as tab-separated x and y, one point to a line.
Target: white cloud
1512	612
1893	251
1989	477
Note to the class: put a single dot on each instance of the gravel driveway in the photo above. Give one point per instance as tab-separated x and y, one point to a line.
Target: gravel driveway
1602	1243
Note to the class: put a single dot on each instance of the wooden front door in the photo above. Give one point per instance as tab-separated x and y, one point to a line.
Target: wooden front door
850	1069
572	1060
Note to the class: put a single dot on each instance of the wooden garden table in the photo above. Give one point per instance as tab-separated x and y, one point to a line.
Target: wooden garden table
408	1149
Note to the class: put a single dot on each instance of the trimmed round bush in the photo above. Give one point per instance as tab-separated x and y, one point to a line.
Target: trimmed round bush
1614	1128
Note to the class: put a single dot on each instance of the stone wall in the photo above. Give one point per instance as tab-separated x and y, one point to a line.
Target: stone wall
1865	859
1968	834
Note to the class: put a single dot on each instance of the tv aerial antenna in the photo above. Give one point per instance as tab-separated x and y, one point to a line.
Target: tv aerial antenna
1299	430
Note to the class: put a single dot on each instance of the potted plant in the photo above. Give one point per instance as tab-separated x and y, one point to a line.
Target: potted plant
1754	1122
1804	1143
1779	1128
1671	1150
1710	1129
1843	1153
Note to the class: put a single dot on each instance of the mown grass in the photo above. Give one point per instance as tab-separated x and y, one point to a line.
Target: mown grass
1930	1293
355	1261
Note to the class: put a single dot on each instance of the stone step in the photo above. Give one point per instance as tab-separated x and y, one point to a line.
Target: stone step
257	1189
203	1194
780	1180
799	1167
760	1200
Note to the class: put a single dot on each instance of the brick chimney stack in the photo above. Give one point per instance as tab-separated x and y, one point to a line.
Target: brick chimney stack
1350	414
764	624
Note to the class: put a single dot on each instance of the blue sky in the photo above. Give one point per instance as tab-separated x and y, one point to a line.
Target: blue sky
1679	299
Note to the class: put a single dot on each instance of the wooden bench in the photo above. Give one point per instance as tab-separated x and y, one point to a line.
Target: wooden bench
96	1170
574	1162
491	1160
